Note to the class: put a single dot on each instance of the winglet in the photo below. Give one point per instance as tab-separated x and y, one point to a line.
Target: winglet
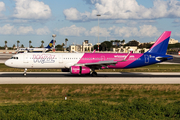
94	51
127	57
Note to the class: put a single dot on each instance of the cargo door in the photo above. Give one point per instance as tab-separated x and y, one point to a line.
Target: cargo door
146	57
102	58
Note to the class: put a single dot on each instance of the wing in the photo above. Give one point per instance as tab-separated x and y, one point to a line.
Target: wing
100	64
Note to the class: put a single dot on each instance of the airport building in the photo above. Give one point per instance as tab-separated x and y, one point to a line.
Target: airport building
86	46
173	41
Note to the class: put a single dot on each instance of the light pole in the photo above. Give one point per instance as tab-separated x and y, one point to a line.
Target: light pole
98	15
54	36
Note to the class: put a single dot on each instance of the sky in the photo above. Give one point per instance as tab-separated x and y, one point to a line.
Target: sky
77	20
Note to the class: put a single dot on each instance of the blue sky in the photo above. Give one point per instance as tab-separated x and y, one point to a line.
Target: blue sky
36	20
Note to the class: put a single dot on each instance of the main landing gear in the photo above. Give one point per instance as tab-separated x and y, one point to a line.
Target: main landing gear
25	71
94	74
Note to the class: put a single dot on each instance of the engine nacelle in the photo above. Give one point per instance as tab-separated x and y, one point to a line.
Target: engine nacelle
65	70
79	70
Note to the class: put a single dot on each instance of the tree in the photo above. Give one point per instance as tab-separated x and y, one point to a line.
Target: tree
5	44
13	46
132	43
117	42
95	47
66	42
59	47
30	43
104	46
22	46
107	45
145	45
123	41
42	42
18	44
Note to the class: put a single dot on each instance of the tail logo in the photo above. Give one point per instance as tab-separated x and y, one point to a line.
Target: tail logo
50	44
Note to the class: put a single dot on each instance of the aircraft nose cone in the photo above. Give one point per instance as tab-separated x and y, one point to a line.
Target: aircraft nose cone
7	63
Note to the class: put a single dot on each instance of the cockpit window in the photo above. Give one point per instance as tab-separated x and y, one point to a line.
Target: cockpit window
14	57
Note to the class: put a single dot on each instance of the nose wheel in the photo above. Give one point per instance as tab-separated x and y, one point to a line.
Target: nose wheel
25	70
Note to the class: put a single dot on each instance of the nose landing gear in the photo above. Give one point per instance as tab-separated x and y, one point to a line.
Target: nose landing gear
25	70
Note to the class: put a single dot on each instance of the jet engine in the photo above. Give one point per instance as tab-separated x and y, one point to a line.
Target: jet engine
65	70
79	70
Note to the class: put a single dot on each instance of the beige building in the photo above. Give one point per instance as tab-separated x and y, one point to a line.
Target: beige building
152	42
173	41
127	49
86	46
75	48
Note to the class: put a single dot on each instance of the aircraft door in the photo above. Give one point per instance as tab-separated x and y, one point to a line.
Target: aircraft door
146	57
25	58
60	58
102	58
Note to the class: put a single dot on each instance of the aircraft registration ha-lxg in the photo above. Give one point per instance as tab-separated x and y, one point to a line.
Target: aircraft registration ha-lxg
88	63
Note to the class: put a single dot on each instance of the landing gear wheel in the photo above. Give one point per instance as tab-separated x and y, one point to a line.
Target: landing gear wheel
94	74
25	71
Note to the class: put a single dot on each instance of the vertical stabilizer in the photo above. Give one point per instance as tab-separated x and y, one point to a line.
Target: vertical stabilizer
50	45
160	46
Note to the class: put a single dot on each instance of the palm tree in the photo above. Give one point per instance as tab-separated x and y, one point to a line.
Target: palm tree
5	44
66	42
13	46
42	42
30	43
22	46
123	41
18	44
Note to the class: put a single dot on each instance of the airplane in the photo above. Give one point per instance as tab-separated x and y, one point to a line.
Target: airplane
45	49
88	63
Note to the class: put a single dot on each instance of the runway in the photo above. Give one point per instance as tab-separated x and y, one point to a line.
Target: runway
102	78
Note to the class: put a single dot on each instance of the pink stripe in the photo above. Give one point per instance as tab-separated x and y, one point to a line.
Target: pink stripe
163	37
96	57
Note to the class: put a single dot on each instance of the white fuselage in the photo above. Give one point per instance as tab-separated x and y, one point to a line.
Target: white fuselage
21	50
44	60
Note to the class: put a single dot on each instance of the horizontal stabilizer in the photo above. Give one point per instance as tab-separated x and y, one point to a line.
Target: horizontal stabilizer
164	58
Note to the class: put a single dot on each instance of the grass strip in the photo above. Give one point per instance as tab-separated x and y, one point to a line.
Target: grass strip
90	101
